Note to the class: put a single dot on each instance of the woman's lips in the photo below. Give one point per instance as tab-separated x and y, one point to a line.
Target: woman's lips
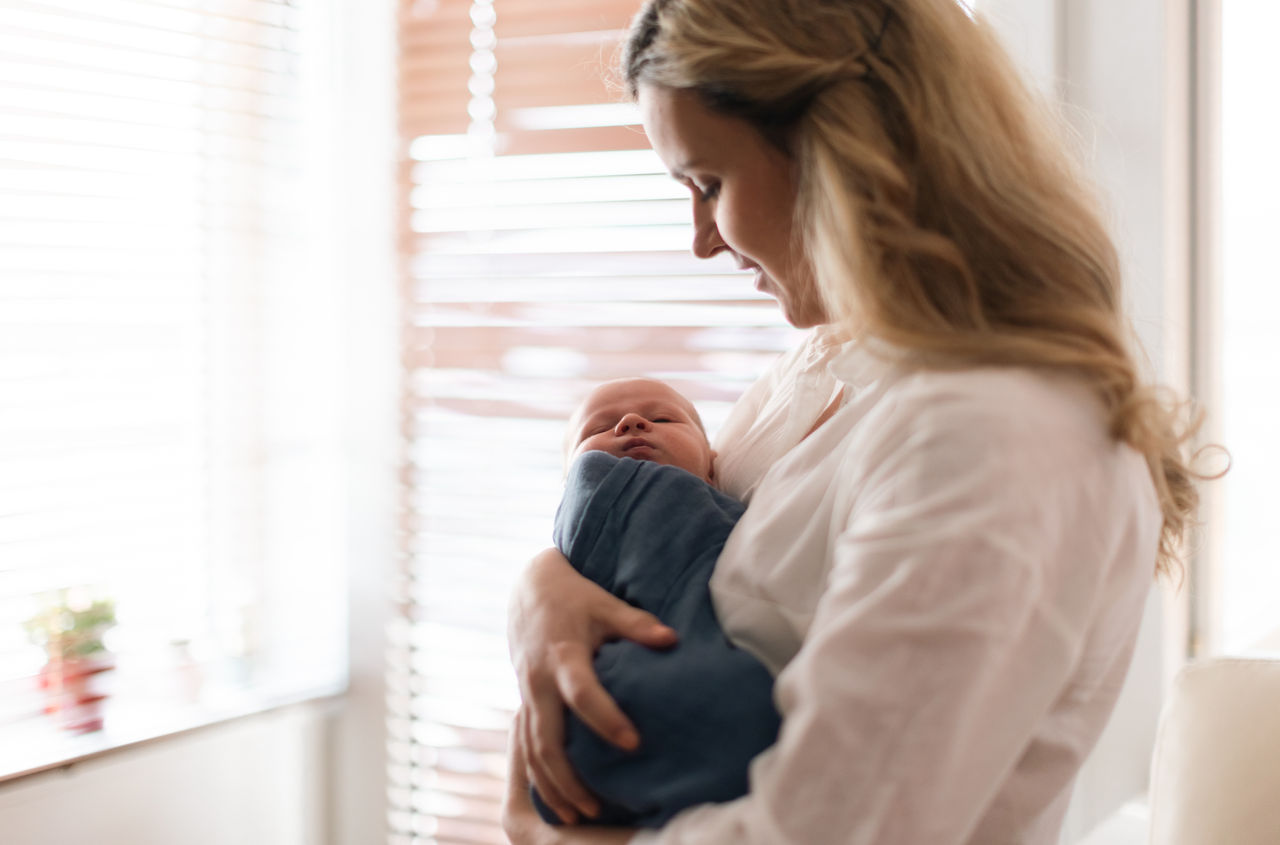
757	272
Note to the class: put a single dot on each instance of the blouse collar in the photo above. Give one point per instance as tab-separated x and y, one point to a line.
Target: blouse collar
855	362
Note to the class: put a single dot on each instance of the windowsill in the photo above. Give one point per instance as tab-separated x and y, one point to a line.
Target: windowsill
37	743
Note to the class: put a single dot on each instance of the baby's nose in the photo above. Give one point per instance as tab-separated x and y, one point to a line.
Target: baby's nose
631	422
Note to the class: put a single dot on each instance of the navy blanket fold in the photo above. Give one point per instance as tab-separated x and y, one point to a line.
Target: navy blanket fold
651	534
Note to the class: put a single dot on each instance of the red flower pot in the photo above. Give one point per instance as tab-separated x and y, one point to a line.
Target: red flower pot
72	691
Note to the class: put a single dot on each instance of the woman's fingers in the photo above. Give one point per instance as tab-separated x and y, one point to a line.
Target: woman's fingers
576	677
547	766
581	691
519	820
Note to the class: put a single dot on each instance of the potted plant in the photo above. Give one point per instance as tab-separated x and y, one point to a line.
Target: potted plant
70	631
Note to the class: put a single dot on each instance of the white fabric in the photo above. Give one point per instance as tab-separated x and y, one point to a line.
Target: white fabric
948	575
1214	778
775	413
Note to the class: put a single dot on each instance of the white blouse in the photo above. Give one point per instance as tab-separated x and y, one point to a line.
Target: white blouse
947	577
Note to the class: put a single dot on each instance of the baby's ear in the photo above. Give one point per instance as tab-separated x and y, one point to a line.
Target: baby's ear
711	468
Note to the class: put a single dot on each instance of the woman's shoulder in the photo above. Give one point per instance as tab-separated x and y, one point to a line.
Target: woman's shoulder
1013	449
1016	424
1011	401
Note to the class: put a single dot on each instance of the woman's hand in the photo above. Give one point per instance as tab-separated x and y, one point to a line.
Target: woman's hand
521	822
557	621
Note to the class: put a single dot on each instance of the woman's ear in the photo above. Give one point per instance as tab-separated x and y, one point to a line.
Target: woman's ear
711	468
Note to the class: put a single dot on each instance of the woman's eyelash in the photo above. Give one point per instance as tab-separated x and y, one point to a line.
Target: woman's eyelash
710	193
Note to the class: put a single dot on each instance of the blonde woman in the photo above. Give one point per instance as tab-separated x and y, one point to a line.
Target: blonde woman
958	488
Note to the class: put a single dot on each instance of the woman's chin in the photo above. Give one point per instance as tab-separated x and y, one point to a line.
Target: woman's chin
800	319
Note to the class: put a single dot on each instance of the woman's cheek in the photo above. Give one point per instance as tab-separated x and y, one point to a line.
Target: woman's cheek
744	230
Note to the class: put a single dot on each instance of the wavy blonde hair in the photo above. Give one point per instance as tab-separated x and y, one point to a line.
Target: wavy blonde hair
937	202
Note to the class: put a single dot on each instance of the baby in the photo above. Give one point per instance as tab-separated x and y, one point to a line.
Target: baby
640	517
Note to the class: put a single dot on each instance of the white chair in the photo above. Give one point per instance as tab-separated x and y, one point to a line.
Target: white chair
1215	773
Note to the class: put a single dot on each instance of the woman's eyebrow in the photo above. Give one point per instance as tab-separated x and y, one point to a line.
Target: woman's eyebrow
682	170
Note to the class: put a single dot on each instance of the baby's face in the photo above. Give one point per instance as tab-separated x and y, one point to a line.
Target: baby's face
645	420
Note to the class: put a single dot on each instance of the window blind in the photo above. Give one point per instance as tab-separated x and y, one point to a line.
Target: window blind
156	204
543	249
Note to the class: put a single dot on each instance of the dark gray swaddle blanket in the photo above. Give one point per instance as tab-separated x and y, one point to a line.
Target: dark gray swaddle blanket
650	534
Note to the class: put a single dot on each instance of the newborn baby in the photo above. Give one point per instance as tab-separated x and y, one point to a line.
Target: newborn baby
640	517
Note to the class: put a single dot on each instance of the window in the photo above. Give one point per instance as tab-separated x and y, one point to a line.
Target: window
545	249
1240	208
168	435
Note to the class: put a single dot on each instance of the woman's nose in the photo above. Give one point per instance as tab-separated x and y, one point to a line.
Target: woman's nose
706	235
630	423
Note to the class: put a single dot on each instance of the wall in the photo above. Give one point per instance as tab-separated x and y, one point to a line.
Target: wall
255	781
1125	71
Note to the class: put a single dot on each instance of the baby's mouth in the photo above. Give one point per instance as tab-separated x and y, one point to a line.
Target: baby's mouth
638	448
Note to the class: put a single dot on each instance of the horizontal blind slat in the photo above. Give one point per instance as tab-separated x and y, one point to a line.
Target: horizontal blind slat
274	12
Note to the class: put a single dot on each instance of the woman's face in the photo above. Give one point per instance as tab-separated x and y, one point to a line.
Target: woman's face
744	195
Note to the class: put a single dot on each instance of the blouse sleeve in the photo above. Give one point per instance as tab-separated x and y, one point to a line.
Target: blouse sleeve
961	591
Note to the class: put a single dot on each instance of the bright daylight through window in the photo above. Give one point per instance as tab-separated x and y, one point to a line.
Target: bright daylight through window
168	448
1250	306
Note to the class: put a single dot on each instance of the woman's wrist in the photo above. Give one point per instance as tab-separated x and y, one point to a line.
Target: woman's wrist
526	598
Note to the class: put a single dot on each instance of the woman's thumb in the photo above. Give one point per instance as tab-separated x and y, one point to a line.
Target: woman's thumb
644	628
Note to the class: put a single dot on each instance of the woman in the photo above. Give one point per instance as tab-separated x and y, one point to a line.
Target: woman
958	487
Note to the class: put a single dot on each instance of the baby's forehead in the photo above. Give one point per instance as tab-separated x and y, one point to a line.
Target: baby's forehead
624	392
